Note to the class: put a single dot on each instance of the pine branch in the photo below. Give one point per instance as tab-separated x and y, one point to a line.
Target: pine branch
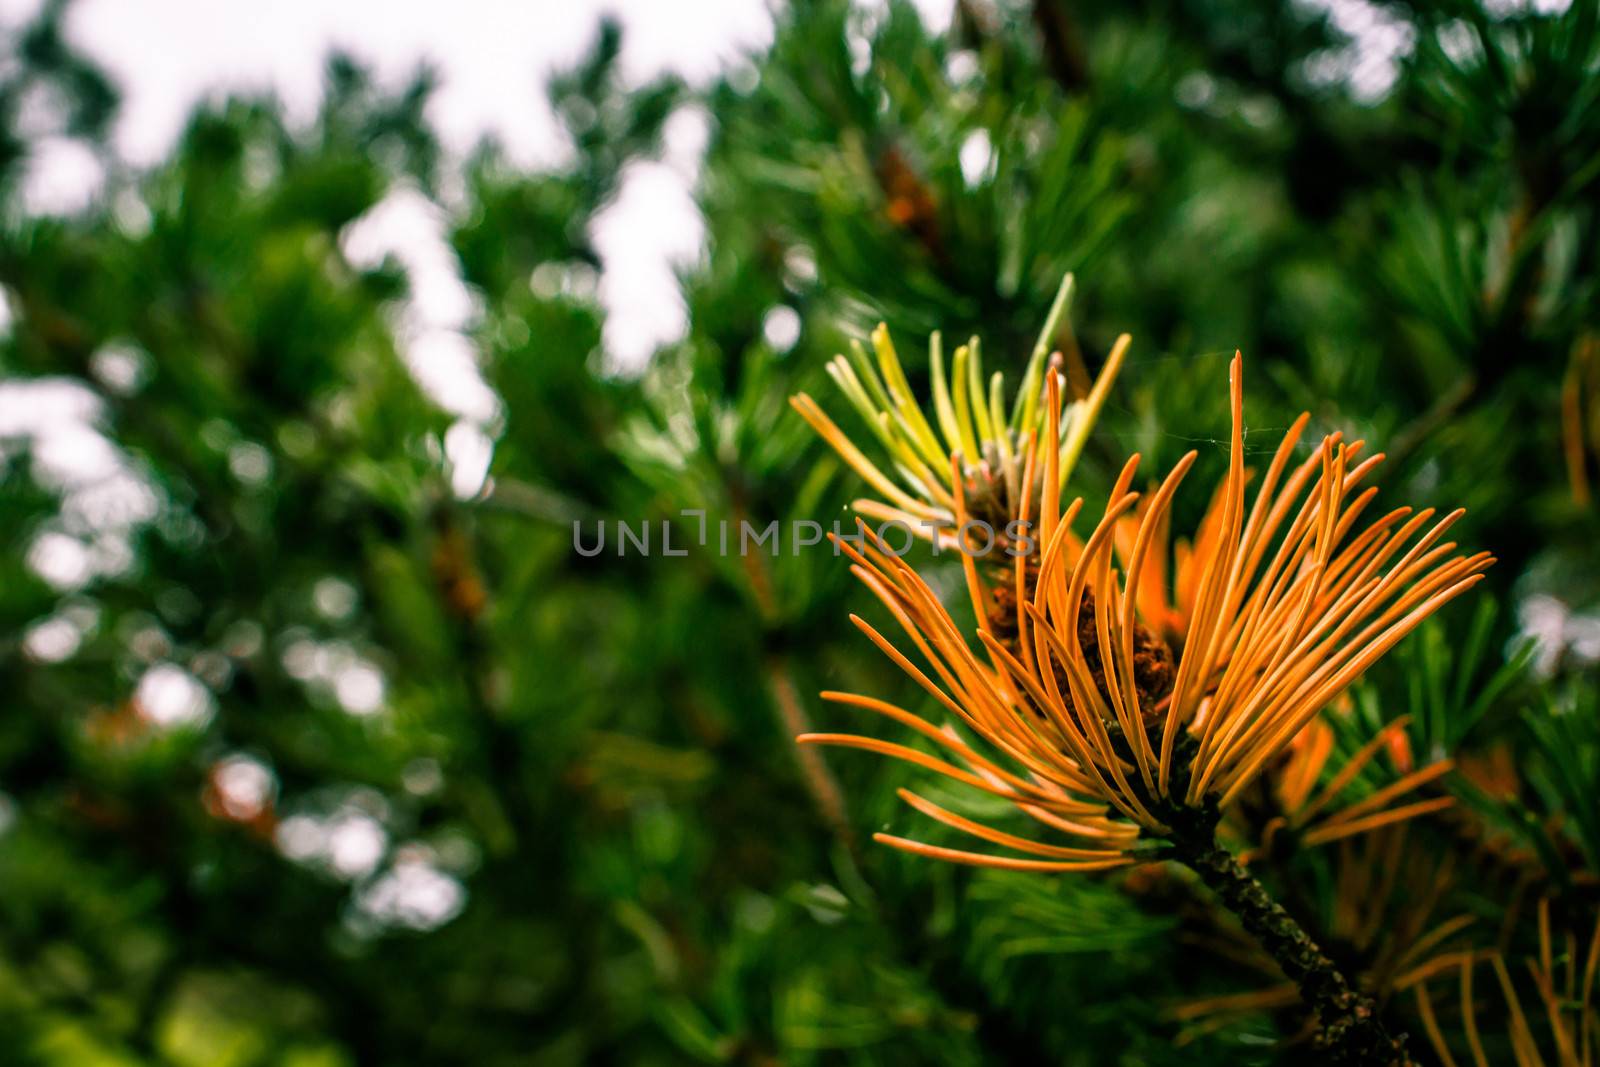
1349	1028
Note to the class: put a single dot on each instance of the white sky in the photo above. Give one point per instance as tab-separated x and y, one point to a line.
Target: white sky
491	58
493	55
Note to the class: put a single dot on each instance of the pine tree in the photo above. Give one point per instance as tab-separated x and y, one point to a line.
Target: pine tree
309	759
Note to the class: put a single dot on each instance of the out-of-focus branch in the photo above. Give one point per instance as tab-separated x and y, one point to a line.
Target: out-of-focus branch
1063	45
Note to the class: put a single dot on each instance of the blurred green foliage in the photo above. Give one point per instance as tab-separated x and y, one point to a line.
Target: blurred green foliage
308	759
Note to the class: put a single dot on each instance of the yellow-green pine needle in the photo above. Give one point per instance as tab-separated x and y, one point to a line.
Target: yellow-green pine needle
911	439
941	394
962	395
909	464
845	378
1084	419
916	424
853	456
980	404
1002	436
996	418
1026	409
869	375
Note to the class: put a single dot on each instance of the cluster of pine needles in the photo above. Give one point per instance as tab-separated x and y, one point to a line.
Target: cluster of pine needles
1141	700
